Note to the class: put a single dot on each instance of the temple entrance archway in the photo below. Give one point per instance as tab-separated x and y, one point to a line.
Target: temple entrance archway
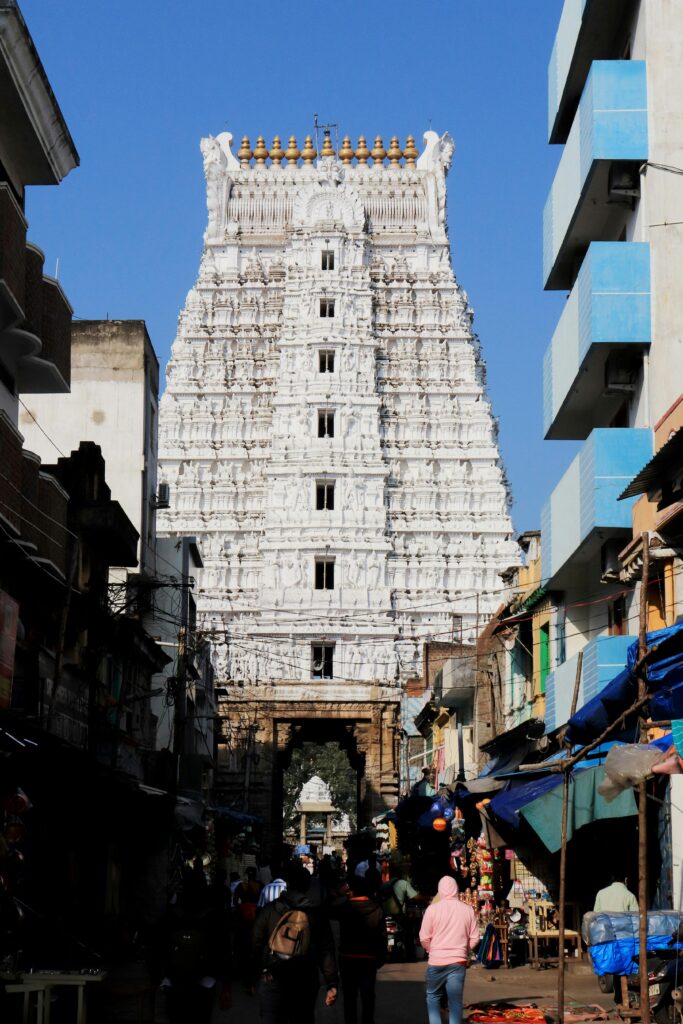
258	739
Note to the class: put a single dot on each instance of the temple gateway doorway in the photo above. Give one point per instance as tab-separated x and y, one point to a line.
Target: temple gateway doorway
258	740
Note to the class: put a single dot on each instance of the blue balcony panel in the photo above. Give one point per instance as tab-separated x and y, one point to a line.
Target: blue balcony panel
603	658
588	30
597	344
610	128
583	510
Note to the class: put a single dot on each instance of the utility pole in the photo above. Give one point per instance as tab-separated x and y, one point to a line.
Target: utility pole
642	788
563	854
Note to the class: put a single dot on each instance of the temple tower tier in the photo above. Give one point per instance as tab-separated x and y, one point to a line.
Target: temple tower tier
325	431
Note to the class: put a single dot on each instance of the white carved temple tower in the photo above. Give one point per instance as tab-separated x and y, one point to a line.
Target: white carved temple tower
325	431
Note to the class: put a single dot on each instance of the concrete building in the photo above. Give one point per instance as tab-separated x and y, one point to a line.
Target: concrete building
113	401
325	434
613	239
35	355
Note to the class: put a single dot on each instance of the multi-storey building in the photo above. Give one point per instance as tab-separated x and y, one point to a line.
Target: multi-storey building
325	431
613	239
112	401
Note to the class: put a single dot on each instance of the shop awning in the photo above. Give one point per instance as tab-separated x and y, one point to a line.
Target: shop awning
664	681
586	805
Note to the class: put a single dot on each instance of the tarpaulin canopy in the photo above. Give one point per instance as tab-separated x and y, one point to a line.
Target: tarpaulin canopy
664	681
586	805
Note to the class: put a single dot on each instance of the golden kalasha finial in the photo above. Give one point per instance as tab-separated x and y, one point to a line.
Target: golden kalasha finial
394	153
328	148
378	150
276	151
346	153
260	151
362	151
245	154
410	152
308	153
292	153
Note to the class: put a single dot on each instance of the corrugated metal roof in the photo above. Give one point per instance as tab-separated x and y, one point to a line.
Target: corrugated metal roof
410	709
669	457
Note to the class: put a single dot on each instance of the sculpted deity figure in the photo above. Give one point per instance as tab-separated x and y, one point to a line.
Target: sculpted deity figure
293	575
374	572
215	167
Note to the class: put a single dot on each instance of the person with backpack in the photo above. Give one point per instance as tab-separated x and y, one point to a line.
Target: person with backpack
362	949
292	941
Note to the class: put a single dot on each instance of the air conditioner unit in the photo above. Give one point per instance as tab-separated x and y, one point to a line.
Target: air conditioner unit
163	498
623	182
620	378
609	559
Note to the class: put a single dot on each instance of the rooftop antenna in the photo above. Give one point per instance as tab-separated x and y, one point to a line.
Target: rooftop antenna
325	128
57	269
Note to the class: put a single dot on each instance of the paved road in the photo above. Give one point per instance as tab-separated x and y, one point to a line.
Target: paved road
400	993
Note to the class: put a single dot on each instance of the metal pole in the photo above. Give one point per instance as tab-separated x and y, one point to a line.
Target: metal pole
563	857
642	791
563	892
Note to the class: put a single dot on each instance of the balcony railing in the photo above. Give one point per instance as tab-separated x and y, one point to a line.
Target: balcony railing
12	258
588	30
10	474
56	328
583	510
597	178
589	365
603	658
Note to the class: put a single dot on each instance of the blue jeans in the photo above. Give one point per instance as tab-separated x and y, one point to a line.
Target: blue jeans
451	979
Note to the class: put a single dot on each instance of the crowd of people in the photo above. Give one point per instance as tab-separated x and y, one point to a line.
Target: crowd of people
273	931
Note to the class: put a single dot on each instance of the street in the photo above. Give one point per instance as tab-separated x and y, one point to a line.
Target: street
400	993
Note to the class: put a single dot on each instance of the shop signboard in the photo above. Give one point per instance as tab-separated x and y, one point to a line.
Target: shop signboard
9	619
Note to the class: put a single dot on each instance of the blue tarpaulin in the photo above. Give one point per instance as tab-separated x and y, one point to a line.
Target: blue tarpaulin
664	681
613	938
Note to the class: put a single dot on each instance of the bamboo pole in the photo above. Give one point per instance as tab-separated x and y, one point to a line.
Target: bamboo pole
642	790
563	859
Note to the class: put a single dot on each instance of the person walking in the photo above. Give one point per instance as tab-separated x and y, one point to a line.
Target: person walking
272	891
292	940
449	933
616	897
362	950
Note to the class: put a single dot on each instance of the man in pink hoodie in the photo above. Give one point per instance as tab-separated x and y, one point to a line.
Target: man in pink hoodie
449	931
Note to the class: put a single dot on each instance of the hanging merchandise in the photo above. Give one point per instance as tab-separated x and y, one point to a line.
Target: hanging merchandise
490	951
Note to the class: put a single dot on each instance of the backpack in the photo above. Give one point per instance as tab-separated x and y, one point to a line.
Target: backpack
389	900
291	937
188	956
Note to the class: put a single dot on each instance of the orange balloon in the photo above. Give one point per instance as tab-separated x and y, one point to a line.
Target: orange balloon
439	824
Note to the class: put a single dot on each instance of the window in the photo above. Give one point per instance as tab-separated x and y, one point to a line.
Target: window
325	423
324	495
322	661
327	259
324	574
327	307
326	361
617	618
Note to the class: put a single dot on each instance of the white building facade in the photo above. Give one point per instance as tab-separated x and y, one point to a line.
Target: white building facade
325	431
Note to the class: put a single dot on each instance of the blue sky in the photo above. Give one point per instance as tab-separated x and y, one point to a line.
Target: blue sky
140	83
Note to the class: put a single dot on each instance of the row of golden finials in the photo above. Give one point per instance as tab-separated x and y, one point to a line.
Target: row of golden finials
277	154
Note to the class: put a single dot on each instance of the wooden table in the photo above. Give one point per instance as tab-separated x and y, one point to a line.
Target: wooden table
541	929
47	980
28	990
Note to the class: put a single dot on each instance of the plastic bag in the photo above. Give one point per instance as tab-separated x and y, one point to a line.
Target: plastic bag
626	765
